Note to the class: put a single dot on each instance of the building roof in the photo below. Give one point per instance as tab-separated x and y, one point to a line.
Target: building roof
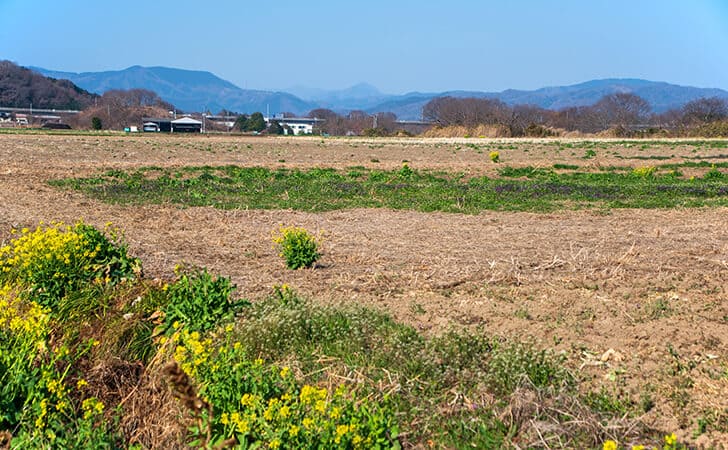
308	120
186	121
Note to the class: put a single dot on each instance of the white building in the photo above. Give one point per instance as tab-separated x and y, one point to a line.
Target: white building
298	125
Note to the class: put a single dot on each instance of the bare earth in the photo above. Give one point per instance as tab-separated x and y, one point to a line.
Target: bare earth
614	289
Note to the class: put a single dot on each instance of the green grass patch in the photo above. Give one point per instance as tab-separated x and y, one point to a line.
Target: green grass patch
324	189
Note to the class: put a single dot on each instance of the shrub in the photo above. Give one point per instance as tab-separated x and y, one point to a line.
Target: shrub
535	130
514	363
96	123
53	260
297	246
406	171
199	301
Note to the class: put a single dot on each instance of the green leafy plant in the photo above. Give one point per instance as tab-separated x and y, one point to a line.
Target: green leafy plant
494	156
297	246
199	301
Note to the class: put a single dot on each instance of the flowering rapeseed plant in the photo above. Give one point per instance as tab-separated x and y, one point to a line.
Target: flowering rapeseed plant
255	402
55	259
297	246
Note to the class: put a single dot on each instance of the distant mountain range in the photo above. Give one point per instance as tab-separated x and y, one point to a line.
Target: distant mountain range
188	90
660	95
197	90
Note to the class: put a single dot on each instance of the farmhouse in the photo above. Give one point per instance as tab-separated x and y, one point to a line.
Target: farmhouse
186	125
181	125
156	124
296	125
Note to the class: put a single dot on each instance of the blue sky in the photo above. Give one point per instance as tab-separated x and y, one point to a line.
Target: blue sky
398	46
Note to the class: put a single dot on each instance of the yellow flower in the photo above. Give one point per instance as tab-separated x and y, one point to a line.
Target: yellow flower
284	372
92	406
341	430
320	406
671	439
335	412
310	394
248	400
275	443
638	447
284	412
609	445
293	431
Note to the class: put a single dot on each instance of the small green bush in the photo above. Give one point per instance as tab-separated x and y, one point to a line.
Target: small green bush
713	174
297	246
199	301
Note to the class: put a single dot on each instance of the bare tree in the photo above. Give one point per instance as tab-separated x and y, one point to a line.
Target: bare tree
705	110
466	111
621	110
524	116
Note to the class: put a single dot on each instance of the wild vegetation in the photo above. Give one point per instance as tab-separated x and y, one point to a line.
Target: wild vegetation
283	373
590	326
515	189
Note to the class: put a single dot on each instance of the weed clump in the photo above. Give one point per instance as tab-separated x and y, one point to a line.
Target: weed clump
199	301
297	247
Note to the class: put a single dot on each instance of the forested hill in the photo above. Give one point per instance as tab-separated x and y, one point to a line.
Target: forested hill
23	88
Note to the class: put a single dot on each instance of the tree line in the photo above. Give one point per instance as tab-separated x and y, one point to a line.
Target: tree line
116	109
624	112
355	123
